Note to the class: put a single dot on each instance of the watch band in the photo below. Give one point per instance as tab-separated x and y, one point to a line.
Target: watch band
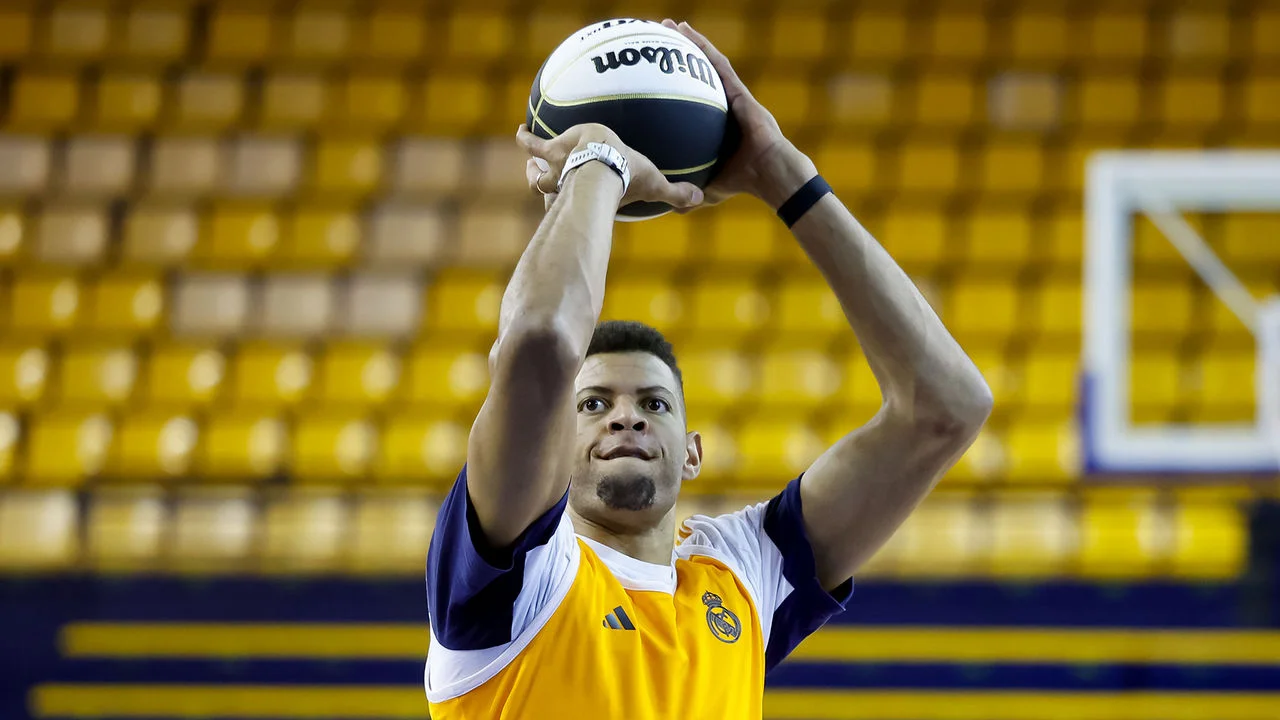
606	154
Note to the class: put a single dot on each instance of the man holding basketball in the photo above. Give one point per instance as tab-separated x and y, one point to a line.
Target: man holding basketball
554	588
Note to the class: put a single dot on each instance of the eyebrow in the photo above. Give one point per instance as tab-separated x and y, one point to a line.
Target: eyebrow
649	390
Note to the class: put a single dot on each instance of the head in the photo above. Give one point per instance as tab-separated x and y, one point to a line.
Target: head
633	449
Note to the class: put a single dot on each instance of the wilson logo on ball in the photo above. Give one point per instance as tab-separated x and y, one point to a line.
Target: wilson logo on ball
668	60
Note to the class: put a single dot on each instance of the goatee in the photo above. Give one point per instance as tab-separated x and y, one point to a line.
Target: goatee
626	492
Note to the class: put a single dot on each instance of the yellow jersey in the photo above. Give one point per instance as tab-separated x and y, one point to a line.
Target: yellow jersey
560	625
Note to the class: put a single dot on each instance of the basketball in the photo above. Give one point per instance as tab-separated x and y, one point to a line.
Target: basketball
649	84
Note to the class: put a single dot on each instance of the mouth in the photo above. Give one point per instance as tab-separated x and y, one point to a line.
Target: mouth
625	451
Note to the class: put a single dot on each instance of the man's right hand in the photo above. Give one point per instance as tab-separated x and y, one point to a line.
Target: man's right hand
547	158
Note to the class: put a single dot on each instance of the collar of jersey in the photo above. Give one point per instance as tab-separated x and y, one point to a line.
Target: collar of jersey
636	574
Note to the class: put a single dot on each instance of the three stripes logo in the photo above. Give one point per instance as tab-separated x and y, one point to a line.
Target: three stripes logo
618	620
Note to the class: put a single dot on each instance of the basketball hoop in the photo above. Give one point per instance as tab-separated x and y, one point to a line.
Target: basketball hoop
1268	371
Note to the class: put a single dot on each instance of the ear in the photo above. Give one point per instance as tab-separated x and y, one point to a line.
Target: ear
692	456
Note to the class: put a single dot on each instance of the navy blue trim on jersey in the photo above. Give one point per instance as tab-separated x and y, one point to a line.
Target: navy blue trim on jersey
472	588
809	605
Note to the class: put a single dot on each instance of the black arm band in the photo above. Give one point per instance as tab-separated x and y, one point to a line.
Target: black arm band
806	197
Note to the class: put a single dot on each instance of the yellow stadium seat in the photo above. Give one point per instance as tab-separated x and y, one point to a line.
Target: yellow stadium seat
849	167
958	36
320	236
998	238
159	235
1042	453
454	103
347	167
941	538
1265	24
127	102
797	36
1150	246
1032	535
772	452
1155	384
43	100
77	31
15	32
1109	101
661	241
417	448
72	235
66	448
807	305
443	378
44	304
183	376
155	33
1161	308
879	36
490	237
915	237
39	530
268	375
1050	382
929	168
1246	239
94	377
395	33
358	375
207	101
1262	100
789	98
240	33
390	531
14	234
1210	540
1059	309
213	531
725	306
237	235
983	310
1226	392
1119	535
24	373
293	101
477	35
241	446
654	301
97	167
303	531
861	388
1224	327
153	445
125	304
860	99
1040	36
124	528
1199	34
1065	239
1192	101
740	234
714	379
803	378
945	100
465	300
375	102
328	448
317	33
183	167
1012	167
1020	101
1116	35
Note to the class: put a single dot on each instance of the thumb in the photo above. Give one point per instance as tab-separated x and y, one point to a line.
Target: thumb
681	195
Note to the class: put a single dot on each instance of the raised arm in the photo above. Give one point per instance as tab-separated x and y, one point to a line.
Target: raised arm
519	445
935	401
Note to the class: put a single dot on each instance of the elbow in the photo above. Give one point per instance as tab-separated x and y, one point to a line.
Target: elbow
537	350
954	416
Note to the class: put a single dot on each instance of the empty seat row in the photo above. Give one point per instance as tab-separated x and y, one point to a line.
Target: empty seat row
459	102
310	530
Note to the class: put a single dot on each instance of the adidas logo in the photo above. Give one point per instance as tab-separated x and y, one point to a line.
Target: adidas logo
618	620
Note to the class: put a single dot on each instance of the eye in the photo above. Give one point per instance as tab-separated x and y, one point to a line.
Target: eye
657	405
591	405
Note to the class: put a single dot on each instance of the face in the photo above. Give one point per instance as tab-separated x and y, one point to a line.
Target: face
632	450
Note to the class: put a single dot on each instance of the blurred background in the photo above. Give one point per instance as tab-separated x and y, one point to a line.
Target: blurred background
251	256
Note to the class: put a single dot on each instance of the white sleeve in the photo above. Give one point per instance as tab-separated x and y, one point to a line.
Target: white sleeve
766	546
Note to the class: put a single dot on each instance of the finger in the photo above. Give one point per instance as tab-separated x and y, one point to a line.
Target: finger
532	144
548	200
733	85
680	195
537	173
532	173
669	23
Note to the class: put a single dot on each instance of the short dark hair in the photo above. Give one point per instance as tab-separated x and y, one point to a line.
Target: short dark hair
613	336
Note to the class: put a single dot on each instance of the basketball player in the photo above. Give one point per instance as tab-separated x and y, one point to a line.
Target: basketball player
556	587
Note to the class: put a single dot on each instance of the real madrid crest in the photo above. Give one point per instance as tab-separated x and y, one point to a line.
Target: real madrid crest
723	623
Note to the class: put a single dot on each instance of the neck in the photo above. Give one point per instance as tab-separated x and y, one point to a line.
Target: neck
652	544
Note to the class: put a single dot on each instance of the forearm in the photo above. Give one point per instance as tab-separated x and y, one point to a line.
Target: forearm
921	369
558	283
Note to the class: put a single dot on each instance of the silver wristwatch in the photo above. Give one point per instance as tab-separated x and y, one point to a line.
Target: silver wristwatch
606	154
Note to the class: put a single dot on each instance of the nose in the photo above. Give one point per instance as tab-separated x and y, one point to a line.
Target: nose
626	417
